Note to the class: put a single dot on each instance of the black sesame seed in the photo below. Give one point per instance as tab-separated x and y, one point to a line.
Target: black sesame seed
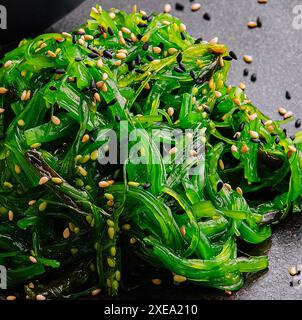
262	121
227	58
254	77
59	71
197	41
139	71
78	59
102	29
92	84
207	109
298	123
285	132
192	74
74	39
145	17
110	31
293	137
139	36
288	95
179	6
138	59
178	69
52	88
162	46
245	72
107	54
128	40
117	118
150	18
182	66
233	55
93	55
259	23
183	36
142	25
146	185
277	140
179	57
146	46
241	127
111	103
236	111
150	58
207	17
131	65
219	186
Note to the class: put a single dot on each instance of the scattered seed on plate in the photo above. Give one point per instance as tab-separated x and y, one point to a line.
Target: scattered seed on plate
288	95
298	123
195	7
179	6
254	77
252	24
248	58
167	8
207	17
245	72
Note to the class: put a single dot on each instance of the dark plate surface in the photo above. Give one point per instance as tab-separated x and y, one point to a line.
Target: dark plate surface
277	52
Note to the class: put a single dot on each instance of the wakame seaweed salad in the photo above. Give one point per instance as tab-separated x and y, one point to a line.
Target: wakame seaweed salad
68	218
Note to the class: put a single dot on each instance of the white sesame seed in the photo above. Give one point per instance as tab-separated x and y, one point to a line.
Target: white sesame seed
81	42
7	64
172	51
173	150
40	297
66	233
126	30
157	282
234	148
157	50
248	59
43	180
179	279
121	55
242	86
66	34
195	7
23	95
33	259
239	191
166	23
292	149
95	10
3	90
97	97
262	1
193	153
133	37
105	76
10	215
253	116
282	111
32	202
245	149
254	134
2	110
252	24
182	27
11	298
167	8
55	120
288	114
88	37
213	41
51	54
268	122
221	164
96	292
170	111
112	15
100	63
104	184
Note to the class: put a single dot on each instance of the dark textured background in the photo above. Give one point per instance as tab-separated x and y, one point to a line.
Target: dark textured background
277	52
